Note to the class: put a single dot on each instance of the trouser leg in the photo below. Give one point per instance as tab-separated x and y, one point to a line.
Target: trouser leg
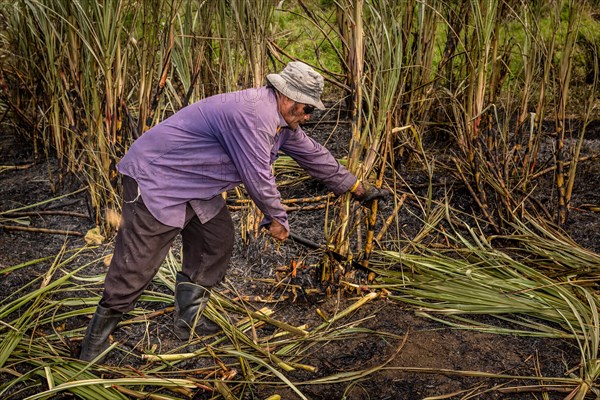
207	248
141	246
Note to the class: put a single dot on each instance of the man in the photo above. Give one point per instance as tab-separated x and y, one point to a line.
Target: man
173	177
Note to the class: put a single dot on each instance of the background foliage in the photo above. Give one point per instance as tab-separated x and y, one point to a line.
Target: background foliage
86	78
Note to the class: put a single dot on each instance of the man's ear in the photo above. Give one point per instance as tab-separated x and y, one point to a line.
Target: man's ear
285	103
286	100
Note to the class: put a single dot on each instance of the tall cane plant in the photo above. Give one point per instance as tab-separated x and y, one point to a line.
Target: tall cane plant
93	76
87	62
499	154
389	59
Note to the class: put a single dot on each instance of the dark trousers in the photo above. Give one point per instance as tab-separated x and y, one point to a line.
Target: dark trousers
142	244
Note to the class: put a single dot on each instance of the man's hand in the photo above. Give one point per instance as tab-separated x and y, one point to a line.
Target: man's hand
366	193
278	231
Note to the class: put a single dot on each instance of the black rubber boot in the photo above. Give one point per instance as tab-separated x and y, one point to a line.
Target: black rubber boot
103	323
190	301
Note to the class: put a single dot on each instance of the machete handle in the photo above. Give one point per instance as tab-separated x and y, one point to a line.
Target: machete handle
305	242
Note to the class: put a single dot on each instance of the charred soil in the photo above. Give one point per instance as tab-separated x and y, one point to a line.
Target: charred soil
420	353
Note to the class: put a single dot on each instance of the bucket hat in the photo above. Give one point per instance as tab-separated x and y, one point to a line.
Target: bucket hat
300	83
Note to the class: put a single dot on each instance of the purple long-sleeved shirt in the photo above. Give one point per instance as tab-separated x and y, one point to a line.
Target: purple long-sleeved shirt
214	145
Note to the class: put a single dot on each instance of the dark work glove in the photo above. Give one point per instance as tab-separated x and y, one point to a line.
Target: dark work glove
369	193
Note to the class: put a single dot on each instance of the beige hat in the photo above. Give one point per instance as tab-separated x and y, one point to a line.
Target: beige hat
300	83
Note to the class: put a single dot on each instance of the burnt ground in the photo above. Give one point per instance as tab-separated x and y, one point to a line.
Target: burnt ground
429	346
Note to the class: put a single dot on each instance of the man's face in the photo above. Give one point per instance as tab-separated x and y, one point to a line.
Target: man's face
295	113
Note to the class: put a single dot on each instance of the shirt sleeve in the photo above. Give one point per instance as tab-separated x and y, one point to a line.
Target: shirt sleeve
317	161
249	150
